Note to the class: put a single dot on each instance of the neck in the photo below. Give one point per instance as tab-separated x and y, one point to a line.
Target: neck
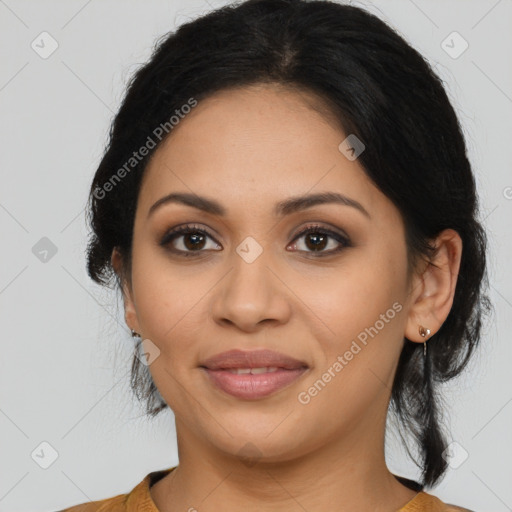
350	471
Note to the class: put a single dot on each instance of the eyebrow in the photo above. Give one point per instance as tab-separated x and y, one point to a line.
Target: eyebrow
286	207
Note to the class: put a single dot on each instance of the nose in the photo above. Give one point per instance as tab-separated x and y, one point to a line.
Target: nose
251	295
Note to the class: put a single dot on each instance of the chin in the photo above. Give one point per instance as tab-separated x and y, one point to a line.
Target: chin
258	447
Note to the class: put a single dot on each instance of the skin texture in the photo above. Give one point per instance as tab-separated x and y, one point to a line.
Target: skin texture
248	149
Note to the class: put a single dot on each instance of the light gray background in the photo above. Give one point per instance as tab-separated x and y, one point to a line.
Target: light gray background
66	352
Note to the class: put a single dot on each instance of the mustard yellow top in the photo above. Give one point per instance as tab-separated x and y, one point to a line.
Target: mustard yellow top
139	500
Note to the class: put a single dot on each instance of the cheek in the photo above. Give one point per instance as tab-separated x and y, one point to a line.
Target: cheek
352	297
170	306
358	360
167	308
360	311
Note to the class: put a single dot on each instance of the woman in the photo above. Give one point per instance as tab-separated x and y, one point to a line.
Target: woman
287	207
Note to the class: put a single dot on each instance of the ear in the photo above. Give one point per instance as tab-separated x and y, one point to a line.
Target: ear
130	314
434	288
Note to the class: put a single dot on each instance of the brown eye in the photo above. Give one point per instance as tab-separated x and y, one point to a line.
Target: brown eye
188	239
316	240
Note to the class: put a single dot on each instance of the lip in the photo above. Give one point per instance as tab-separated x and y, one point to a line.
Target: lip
253	387
249	386
252	359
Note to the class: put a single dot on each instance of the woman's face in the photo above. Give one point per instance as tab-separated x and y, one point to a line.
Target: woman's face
339	307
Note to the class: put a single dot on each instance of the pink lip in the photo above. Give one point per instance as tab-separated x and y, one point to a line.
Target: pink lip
251	387
252	359
248	386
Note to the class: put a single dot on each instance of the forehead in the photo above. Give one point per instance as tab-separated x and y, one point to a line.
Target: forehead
253	147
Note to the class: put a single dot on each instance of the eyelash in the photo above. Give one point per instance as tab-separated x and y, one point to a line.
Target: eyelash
188	229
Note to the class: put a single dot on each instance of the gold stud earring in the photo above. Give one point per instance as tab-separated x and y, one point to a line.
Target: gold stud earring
424	332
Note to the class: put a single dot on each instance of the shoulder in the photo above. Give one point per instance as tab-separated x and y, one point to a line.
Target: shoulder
139	498
117	503
448	507
114	504
428	502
